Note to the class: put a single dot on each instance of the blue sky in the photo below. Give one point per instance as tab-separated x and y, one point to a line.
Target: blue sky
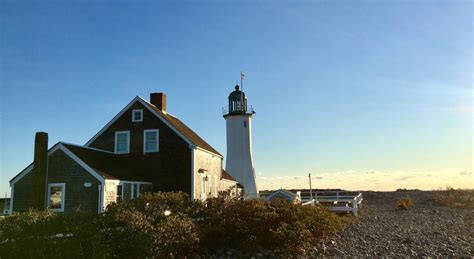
362	94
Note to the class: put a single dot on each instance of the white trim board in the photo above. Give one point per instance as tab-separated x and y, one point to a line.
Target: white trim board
76	159
81	163
147	106
192	173
211	153
111	121
280	191
91	148
230	181
21	174
12	194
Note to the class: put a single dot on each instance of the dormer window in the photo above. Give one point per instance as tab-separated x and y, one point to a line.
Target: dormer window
137	115
122	142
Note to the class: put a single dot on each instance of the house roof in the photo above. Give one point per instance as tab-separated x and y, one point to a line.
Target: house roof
174	123
281	192
103	163
107	164
184	129
227	176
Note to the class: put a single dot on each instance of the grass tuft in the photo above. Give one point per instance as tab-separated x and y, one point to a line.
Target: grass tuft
456	198
405	203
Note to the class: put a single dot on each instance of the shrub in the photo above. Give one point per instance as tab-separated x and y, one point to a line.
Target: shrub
405	203
141	228
249	225
456	198
48	234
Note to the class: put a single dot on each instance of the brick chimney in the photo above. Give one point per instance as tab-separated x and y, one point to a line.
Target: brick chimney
159	100
39	169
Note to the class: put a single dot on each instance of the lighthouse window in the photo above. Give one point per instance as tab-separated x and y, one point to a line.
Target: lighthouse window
245	124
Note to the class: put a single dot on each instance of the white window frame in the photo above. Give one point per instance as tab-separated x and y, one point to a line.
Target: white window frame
63	195
132	190
157	140
121	192
133	184
133	115
128	142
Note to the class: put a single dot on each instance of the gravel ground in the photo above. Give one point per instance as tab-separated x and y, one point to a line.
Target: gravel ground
424	230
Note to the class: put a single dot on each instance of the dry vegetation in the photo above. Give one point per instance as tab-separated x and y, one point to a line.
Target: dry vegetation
141	228
456	198
405	203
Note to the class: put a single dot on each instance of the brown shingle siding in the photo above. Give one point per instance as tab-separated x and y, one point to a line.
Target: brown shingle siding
185	130
62	169
168	170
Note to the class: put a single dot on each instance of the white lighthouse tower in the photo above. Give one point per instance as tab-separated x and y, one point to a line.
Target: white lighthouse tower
239	161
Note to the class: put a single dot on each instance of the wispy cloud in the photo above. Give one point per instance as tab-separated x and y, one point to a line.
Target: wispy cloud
372	180
403	178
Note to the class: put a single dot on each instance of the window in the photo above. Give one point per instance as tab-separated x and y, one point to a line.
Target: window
119	192
56	193
137	115
135	190
122	142
150	141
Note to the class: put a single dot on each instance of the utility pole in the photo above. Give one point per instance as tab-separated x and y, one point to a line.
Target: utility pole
310	189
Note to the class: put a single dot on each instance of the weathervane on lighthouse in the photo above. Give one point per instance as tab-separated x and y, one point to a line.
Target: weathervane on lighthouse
239	161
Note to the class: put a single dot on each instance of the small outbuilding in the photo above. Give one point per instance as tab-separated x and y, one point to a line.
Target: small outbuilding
284	195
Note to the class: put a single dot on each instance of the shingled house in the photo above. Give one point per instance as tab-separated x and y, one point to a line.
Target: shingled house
143	148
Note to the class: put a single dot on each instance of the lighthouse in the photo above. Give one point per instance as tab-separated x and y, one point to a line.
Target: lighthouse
239	161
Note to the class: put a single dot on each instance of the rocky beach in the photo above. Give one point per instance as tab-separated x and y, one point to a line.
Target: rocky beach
382	229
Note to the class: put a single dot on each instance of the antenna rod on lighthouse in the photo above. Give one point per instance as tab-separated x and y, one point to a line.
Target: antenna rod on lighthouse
310	188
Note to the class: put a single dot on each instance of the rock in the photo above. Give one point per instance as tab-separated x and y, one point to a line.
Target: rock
335	251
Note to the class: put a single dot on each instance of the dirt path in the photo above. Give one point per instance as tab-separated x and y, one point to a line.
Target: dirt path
424	230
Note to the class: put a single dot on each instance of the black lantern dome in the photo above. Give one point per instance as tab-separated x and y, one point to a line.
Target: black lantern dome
237	103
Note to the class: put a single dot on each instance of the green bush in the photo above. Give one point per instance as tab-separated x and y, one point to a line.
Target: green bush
47	234
140	227
164	225
249	225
